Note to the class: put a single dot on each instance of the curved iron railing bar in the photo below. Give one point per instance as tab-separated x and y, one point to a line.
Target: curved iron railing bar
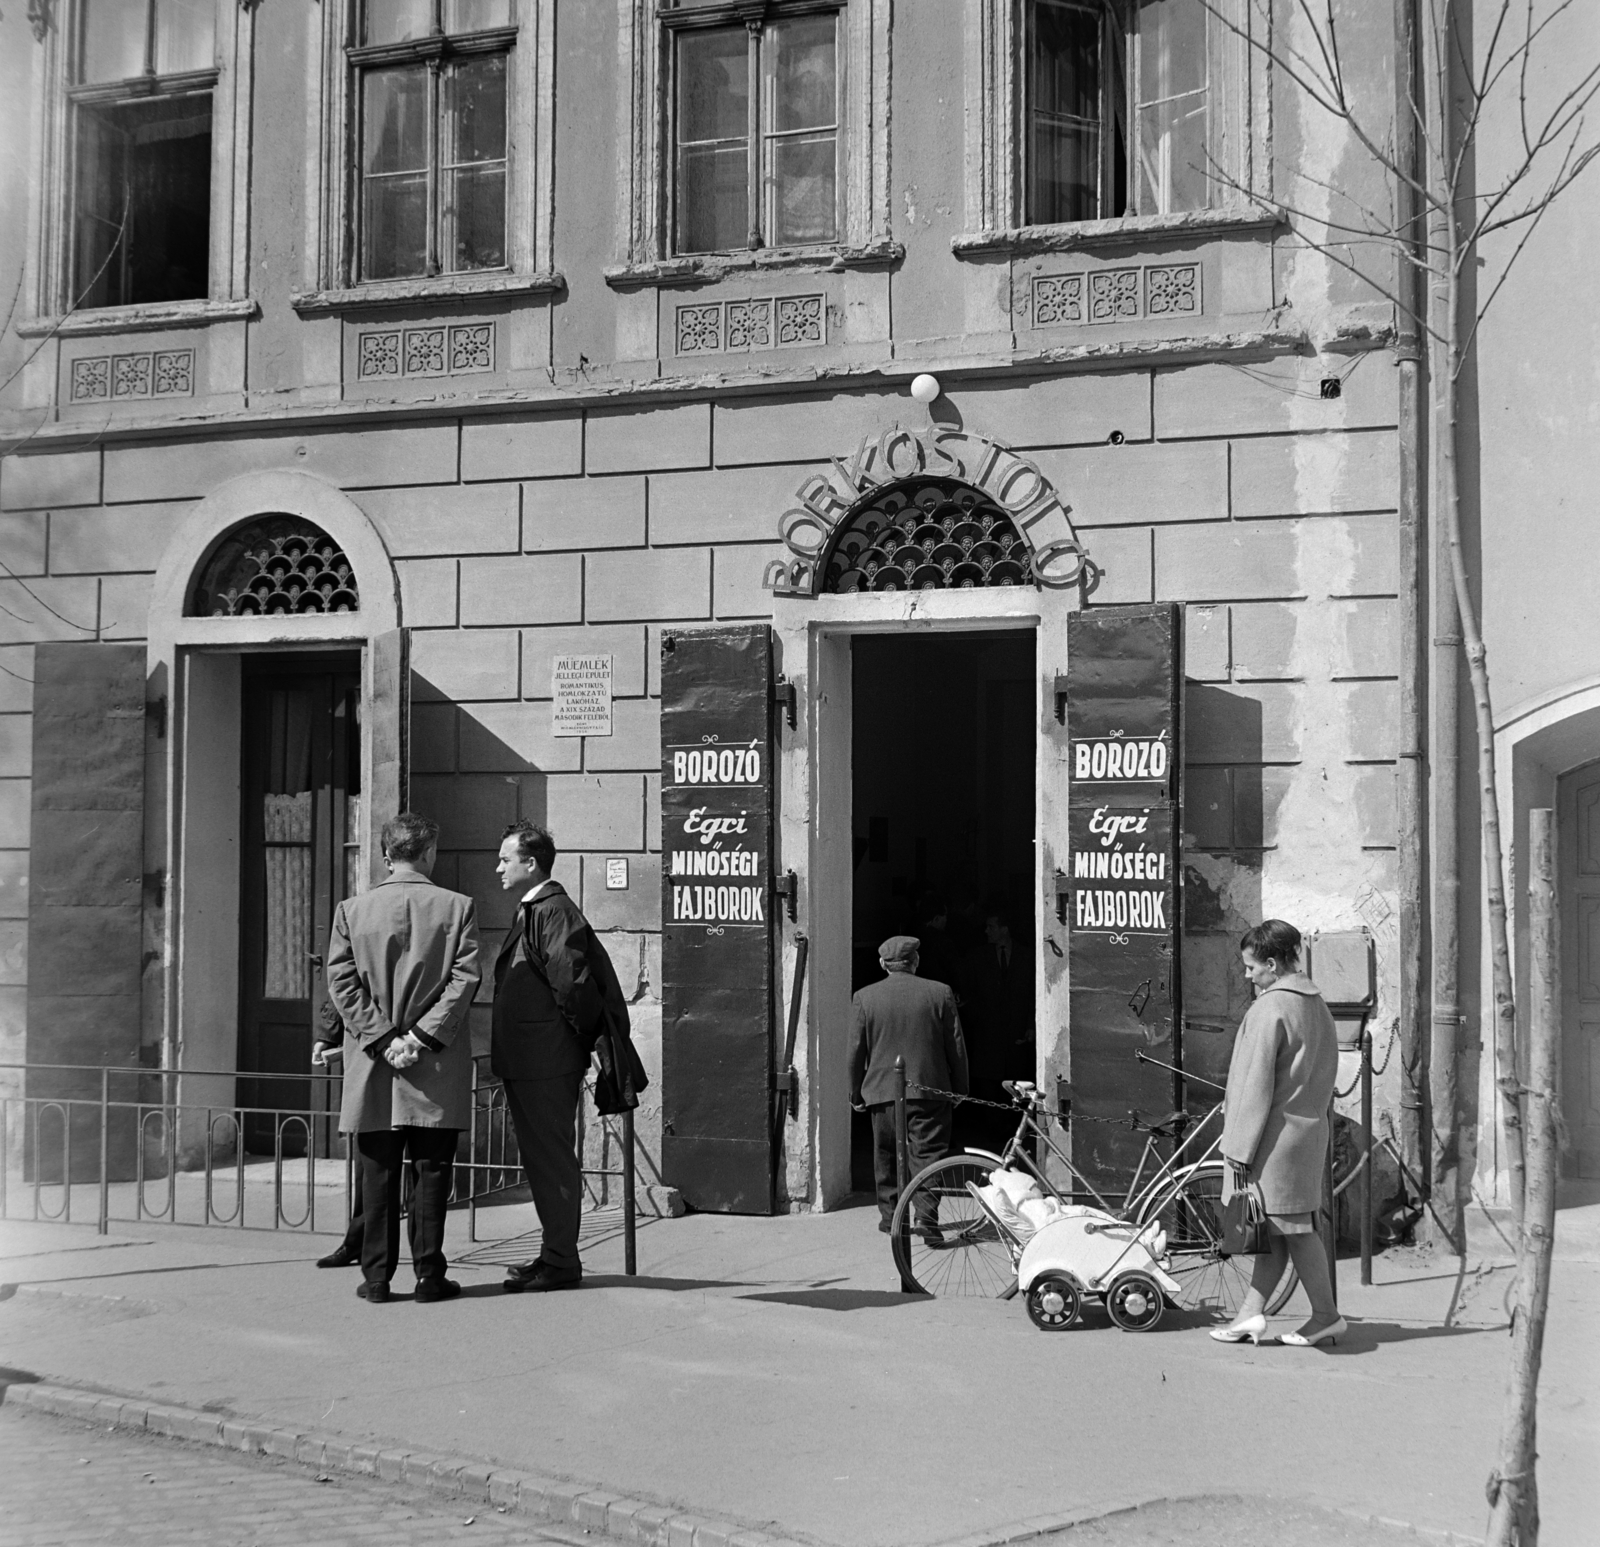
60	1108
212	1118
279	1218
169	1157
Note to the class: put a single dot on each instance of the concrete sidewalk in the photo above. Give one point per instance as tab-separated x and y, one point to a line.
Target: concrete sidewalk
768	1372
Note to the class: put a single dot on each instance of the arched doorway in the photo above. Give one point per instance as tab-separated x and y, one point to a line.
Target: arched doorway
1578	823
922	619
942	776
1549	756
274	629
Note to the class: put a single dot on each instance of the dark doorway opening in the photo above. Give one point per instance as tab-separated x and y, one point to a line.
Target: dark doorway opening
943	796
299	859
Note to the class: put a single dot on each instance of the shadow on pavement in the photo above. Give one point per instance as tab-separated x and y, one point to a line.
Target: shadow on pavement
9	1289
840	1299
10	1377
1364	1337
671	1285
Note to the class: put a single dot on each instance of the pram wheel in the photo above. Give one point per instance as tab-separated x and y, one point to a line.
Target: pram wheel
1133	1301
1053	1304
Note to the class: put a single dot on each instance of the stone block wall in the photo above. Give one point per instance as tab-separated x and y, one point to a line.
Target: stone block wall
1238	489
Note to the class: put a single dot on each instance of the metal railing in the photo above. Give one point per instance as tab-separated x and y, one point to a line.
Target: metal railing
146	1148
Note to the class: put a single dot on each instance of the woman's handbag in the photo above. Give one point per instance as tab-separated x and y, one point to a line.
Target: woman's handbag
1244	1223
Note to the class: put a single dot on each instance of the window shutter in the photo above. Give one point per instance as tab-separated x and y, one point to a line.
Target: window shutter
717	917
86	869
1123	894
388	696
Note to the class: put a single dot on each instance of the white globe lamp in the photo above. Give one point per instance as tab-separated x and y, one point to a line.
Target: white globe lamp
924	388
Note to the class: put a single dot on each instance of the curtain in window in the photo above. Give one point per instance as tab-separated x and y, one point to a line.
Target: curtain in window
288	834
802	153
286	829
1174	107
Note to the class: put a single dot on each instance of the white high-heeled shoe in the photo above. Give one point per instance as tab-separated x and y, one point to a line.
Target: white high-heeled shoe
1329	1334
1252	1328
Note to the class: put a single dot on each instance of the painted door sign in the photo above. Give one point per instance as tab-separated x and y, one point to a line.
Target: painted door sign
717	944
1124	675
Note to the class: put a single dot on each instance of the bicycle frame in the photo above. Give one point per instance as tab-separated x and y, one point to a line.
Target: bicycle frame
1137	1198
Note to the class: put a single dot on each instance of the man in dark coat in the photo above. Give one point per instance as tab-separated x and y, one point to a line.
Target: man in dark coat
912	1018
554	993
402	970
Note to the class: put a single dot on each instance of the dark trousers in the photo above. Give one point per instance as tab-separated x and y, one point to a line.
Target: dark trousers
356	1231
927	1140
432	1153
545	1115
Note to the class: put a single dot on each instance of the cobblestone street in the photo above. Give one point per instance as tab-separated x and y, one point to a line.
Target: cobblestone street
64	1482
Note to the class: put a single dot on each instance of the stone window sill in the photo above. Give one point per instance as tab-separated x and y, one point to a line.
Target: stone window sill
1088	235
708	268
404	292
140	319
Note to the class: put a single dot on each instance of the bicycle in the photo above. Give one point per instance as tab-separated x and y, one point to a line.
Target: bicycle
945	1241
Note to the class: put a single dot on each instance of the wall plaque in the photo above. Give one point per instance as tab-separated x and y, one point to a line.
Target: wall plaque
581	687
716	915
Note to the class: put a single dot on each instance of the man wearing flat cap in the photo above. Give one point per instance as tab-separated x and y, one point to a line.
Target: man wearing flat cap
912	1018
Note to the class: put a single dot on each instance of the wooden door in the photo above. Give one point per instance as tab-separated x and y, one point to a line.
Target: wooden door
717	916
1579	843
300	791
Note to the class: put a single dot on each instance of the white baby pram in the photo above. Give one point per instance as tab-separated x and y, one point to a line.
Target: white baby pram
1070	1251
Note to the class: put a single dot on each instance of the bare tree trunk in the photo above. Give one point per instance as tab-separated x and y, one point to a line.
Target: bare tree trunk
1493	857
1444	1050
1411	775
1513	1487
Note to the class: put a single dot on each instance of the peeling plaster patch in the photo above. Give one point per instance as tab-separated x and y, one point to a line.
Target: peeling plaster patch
1325	143
1202	907
1234	885
1311	880
911	203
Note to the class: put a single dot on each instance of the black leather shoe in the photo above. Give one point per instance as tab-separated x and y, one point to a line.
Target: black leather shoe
430	1289
538	1276
884	1226
339	1257
373	1294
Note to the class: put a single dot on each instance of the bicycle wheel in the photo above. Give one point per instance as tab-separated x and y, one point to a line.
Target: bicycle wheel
944	1243
1213	1283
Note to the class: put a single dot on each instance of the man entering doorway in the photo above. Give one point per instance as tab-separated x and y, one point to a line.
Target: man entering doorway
916	1019
554	987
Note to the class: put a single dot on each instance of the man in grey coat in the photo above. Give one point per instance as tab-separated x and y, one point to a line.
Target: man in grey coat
402	970
916	1019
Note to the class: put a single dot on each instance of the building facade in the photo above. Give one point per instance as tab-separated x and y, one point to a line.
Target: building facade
378	372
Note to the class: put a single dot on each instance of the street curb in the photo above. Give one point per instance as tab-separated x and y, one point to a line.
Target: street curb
1035	1527
576	1506
593	1511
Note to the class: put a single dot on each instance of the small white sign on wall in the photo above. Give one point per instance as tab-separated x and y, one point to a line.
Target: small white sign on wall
581	687
616	875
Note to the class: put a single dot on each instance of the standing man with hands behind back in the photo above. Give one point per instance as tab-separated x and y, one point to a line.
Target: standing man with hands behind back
402	970
554	988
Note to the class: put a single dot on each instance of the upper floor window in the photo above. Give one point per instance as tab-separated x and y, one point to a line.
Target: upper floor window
1122	113
432	103
755	114
141	80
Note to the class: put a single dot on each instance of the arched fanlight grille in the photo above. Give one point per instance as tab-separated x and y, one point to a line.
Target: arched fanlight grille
275	566
927	534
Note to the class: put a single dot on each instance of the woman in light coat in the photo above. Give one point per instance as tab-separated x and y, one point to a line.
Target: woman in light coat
1275	1129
